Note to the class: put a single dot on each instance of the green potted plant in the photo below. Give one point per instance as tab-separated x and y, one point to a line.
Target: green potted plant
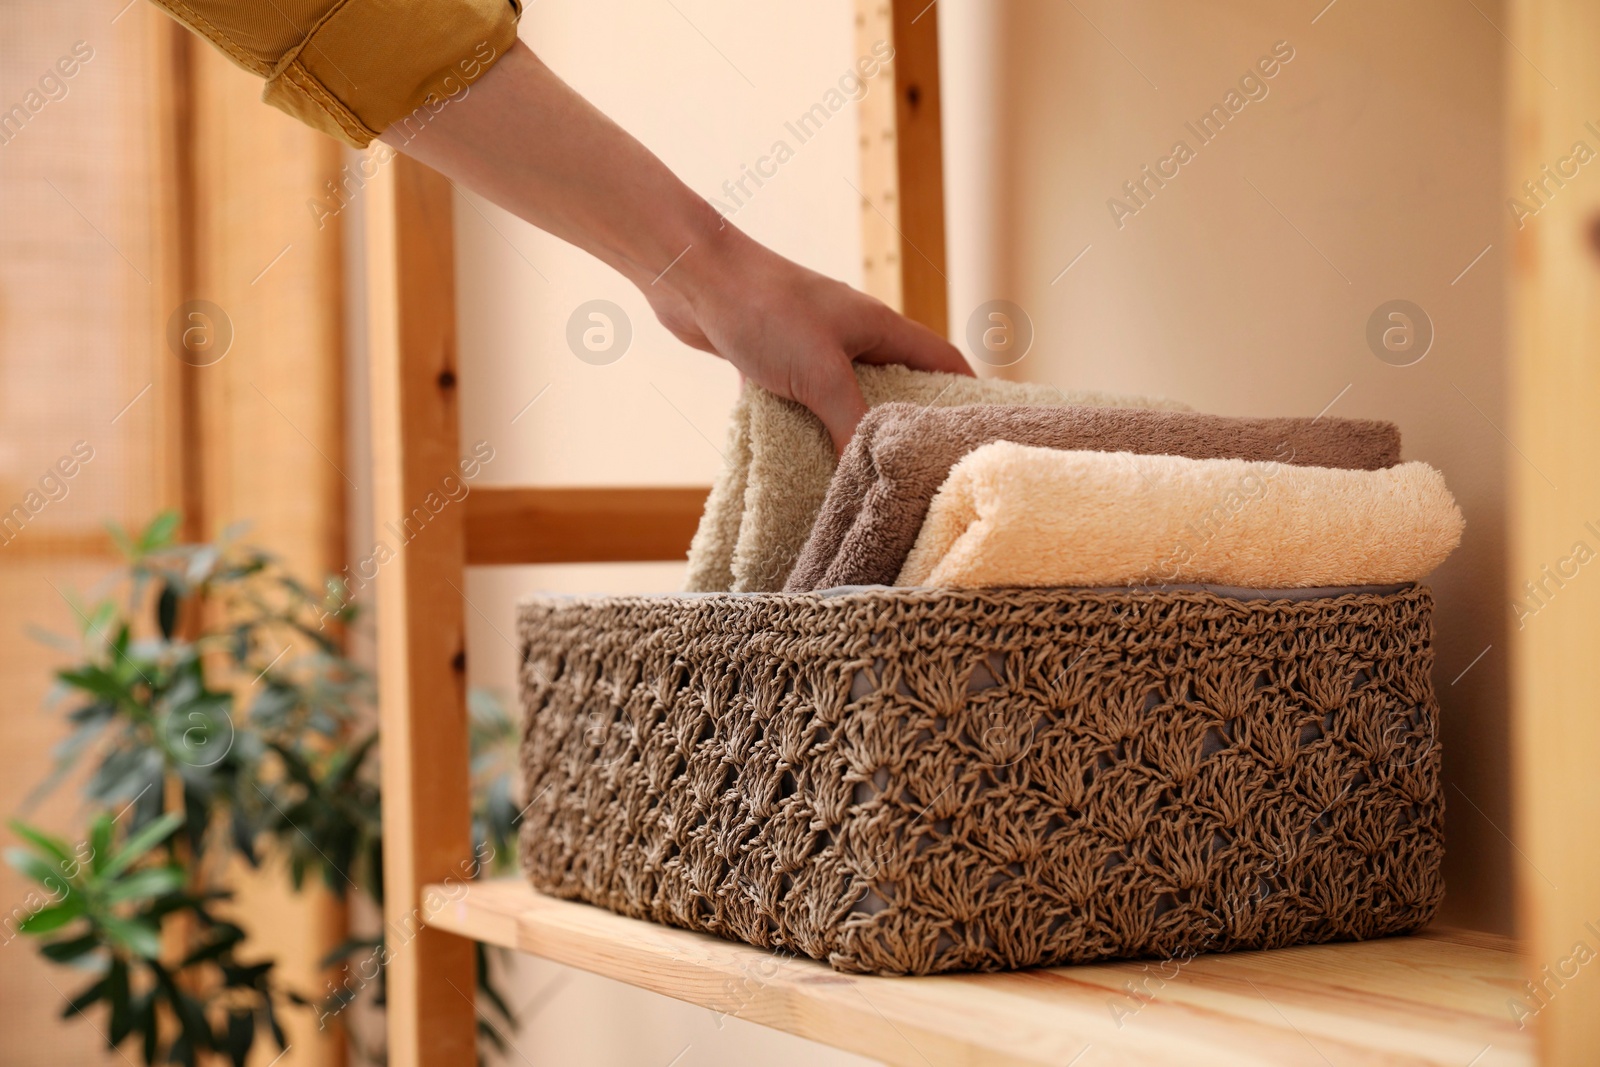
217	718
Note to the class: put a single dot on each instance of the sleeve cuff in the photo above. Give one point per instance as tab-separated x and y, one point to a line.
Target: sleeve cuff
369	64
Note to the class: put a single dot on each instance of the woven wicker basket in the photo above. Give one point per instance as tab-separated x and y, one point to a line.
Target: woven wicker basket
908	781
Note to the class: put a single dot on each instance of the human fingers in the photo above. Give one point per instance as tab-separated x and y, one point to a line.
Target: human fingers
900	340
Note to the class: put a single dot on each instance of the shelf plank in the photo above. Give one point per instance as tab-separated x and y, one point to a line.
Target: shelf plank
581	525
1435	998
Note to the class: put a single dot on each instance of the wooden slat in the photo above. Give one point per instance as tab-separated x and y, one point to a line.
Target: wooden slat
902	163
1554	503
177	272
420	623
1437	998
511	526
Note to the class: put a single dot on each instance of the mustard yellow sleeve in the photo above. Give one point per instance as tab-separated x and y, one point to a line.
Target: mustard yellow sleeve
353	68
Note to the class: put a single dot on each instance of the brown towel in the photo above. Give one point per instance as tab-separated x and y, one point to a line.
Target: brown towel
902	453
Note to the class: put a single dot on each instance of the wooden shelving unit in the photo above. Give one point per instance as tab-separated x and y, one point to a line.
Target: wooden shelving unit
1437	998
1441	997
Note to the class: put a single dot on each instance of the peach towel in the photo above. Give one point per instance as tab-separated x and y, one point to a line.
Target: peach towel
1011	515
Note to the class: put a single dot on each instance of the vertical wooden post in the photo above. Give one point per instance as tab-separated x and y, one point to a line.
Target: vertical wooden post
1555	504
902	164
421	629
177	276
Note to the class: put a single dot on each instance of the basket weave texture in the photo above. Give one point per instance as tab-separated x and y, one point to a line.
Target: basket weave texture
909	781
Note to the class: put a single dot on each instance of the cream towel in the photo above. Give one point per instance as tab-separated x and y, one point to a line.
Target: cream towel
1011	515
778	462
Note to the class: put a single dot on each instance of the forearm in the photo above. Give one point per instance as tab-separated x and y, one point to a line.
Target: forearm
523	139
501	124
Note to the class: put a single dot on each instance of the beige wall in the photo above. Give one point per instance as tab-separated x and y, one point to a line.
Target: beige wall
1370	171
1377	148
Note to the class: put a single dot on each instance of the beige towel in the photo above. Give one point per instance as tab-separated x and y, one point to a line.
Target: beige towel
1011	515
779	459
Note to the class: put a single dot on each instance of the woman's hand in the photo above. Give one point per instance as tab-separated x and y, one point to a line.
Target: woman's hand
788	329
525	140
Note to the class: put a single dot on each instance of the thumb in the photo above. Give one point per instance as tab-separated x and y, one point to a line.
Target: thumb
837	401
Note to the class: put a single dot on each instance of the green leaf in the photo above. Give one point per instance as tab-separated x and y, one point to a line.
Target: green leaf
349	947
92	715
97	681
100	843
345	765
125	774
84	999
119	644
192	1017
251	977
118	995
202	563
52	640
120	538
159	533
487	987
139	938
243	832
39	869
145	1021
272	1022
142	842
167	611
197	794
53	918
142	885
72	948
96	622
55	847
220	945
241	1035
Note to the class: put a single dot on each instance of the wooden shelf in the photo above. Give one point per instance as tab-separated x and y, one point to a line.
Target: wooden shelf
1435	998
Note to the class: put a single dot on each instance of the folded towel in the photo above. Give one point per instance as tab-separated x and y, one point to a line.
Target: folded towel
1012	515
901	454
779	459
